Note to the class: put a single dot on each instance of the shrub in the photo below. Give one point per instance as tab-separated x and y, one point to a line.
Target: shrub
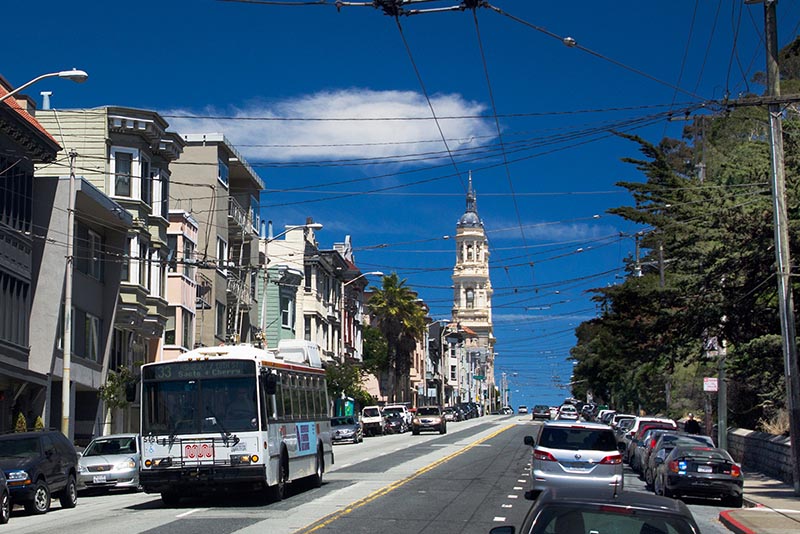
778	424
38	425
22	423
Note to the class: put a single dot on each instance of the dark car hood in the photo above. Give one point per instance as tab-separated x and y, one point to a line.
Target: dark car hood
11	464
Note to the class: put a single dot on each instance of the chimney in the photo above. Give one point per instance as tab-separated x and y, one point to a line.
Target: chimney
46	99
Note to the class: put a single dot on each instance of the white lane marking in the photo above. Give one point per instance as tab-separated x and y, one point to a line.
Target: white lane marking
517	487
507	506
184	514
513	496
499	519
522	480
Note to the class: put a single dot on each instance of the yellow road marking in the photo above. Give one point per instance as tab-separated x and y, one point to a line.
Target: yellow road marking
325	521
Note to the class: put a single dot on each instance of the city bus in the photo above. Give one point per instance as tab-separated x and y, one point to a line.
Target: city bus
233	418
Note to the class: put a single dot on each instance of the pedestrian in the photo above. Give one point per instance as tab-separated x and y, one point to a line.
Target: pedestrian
691	426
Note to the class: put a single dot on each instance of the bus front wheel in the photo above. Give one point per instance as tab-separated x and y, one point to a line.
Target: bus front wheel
316	478
278	491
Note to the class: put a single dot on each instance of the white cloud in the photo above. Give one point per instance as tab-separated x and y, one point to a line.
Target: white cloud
314	139
553	232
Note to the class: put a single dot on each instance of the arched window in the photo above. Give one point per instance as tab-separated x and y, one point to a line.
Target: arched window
470	297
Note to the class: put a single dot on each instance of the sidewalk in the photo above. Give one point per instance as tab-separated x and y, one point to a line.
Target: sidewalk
771	507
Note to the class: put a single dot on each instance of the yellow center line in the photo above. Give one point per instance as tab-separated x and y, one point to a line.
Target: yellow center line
327	520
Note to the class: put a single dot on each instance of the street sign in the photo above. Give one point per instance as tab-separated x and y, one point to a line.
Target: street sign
710	383
479	377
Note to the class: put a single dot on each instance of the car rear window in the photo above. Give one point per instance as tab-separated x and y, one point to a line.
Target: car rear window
428	411
575	439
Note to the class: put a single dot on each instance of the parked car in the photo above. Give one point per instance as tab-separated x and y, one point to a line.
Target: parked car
541	411
400	409
451	414
575	455
110	462
5	500
567	412
429	418
506	410
395	423
643	447
636	438
372	421
346	428
568	511
694	471
37	466
664	445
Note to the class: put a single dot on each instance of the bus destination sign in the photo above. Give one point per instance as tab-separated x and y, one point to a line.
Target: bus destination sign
201	369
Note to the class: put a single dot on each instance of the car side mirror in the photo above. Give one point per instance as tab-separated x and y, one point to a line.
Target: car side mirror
659	460
527	440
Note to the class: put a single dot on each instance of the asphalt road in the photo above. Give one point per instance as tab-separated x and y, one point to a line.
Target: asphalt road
466	481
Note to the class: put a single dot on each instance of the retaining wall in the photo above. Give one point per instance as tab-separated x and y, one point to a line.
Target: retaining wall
757	451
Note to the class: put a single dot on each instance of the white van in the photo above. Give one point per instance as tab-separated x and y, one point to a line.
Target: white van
402	409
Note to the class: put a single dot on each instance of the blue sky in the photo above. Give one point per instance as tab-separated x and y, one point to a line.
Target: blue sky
264	74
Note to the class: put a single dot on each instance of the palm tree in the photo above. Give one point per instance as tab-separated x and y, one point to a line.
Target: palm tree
402	321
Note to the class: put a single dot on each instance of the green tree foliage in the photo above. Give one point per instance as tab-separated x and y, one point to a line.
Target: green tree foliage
114	392
376	355
346	378
401	320
705	203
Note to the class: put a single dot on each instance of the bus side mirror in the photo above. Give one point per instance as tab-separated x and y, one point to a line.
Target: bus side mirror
271	384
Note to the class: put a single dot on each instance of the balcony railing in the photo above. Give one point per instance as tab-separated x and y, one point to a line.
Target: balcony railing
237	214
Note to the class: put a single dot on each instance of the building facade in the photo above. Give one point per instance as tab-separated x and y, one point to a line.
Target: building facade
472	310
125	154
214	184
179	332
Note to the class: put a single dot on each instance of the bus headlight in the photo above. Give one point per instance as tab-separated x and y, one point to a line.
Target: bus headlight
243	459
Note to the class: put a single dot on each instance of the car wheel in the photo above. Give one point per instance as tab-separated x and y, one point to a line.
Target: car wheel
170	498
657	486
319	470
5	508
278	491
666	491
40	503
69	497
415	432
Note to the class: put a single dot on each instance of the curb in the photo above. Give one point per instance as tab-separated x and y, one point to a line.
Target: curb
732	524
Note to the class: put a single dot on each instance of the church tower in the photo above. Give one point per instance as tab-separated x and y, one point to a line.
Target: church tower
472	305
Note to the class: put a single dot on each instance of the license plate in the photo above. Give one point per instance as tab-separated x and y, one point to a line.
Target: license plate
704	469
99	479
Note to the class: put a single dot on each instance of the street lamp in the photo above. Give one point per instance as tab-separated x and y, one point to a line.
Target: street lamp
267	241
75	75
342	320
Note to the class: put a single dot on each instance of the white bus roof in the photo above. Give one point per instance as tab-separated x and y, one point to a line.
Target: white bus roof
245	351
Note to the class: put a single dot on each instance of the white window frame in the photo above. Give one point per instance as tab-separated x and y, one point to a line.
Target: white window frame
222	255
135	185
224	180
160	191
145	173
92	338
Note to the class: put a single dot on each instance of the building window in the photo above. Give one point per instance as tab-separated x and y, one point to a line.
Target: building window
307	278
122	161
452	373
223	173
187	328
188	254
172	245
470	298
160	194
222	319
143	264
147	183
169	329
222	254
92	338
307	329
287	304
125	271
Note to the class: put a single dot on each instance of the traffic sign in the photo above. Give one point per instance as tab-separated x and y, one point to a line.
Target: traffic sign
710	383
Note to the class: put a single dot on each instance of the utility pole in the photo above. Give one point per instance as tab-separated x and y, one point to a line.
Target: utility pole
781	227
66	379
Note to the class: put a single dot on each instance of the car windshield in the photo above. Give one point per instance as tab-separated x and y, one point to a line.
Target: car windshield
428	410
575	439
616	519
103	446
392	411
20	448
371	412
342	421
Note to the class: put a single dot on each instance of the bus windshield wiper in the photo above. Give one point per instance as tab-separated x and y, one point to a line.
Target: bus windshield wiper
214	420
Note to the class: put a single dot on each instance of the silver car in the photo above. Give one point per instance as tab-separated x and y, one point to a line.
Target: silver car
110	462
576	455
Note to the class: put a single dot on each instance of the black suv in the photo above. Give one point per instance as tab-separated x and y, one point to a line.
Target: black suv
38	465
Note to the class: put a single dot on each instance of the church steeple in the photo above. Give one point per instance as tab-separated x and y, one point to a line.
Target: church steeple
470	218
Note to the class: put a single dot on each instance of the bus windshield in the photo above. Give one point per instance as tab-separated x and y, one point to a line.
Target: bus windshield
199	405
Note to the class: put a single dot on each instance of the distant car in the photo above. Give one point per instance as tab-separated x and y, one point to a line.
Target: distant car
346	428
569	511
37	466
541	411
522	409
567	412
694	471
507	410
664	445
401	409
395	423
372	421
110	462
450	414
429	418
575	455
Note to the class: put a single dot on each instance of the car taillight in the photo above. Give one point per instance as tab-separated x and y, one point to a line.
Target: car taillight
613	459
736	471
673	466
543	456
